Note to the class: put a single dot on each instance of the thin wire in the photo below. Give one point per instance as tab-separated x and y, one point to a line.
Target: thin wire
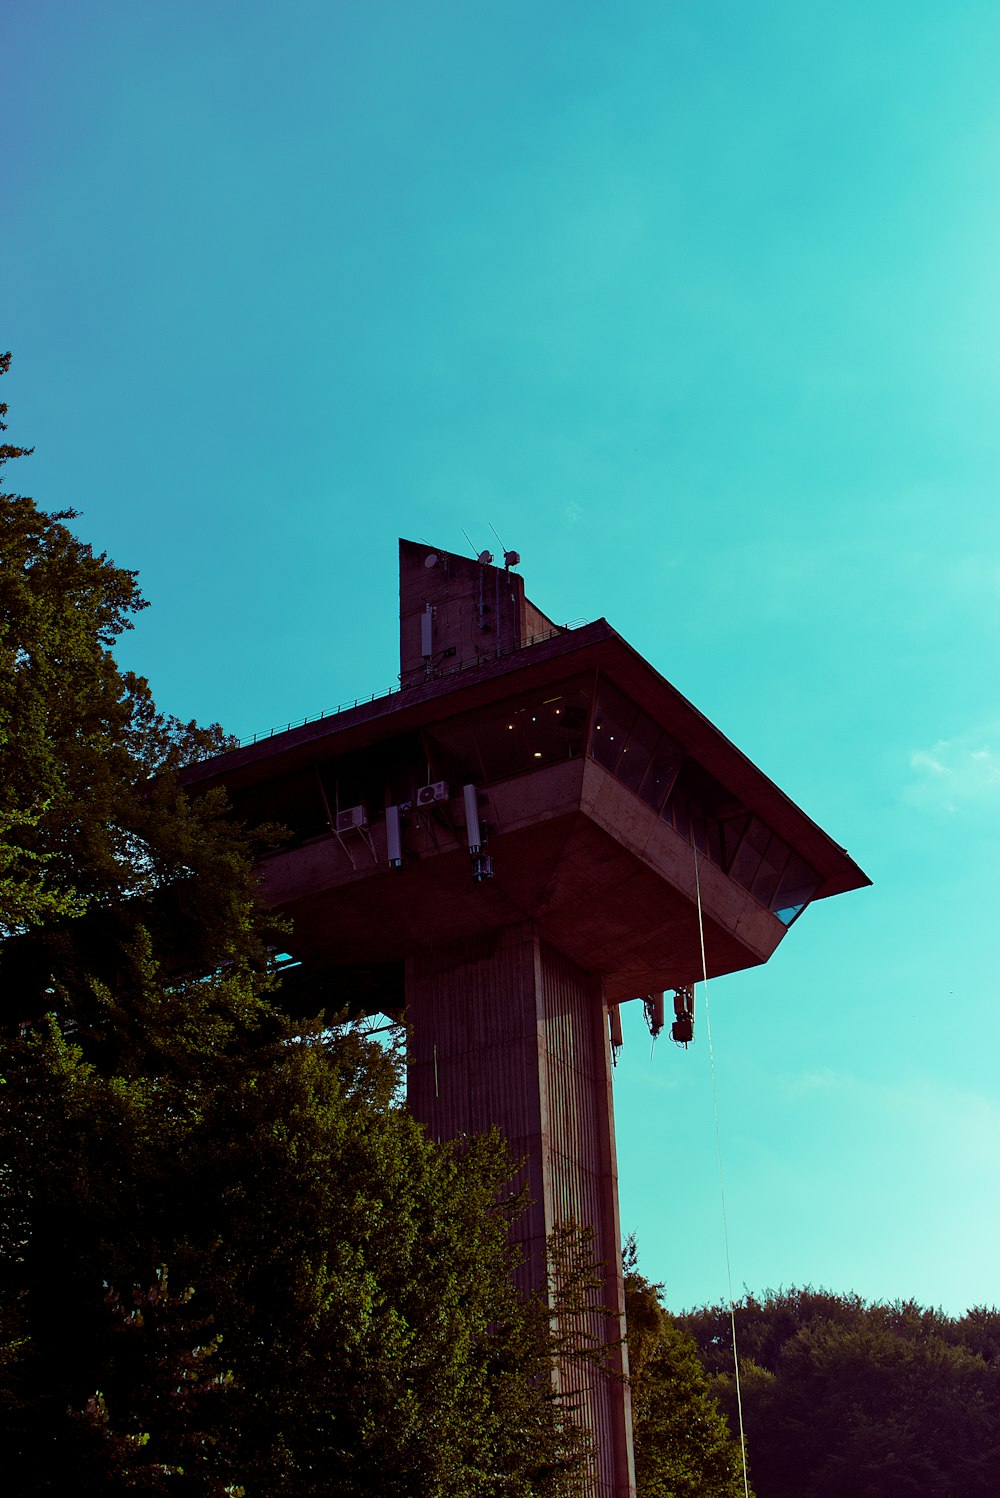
722	1182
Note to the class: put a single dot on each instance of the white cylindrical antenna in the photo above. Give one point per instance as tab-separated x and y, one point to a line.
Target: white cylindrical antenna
471	798
394	836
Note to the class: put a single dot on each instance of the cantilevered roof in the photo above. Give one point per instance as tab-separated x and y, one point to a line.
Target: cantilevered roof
593	646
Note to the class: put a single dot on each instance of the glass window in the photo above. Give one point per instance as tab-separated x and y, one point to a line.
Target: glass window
344	784
714	834
637	752
513	737
797	886
452	753
771	867
406	771
698	835
502	744
555	724
301	806
293	801
750	852
692	820
699	808
678	811
614	717
381	775
661	772
732	829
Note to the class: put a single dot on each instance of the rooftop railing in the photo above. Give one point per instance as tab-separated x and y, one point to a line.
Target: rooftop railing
437	671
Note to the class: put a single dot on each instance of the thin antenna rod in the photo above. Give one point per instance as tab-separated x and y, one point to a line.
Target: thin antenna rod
497	534
465	533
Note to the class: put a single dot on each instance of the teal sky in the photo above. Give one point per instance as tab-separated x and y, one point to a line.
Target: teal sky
697	304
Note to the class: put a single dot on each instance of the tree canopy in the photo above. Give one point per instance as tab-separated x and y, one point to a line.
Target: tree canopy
229	1261
683	1447
845	1399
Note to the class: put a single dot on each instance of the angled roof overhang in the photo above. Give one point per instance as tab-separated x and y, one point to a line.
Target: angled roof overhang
595	647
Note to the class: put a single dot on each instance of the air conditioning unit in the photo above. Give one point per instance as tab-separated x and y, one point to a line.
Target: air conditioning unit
429	794
351	819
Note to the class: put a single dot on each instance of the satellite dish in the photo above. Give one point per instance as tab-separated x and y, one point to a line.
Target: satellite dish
511	558
431	559
485	557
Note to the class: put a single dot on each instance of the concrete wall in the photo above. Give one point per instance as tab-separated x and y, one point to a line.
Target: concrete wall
507	1031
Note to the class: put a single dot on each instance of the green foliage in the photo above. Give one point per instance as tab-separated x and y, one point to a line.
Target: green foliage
26	899
229	1262
79	738
683	1448
843	1399
340	1315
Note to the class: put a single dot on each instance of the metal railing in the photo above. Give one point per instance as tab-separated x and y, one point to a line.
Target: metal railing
438	671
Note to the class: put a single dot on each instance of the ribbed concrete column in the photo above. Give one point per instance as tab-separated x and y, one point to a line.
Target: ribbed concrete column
506	1031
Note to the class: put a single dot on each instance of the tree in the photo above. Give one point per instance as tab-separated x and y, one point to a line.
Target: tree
229	1261
843	1399
683	1448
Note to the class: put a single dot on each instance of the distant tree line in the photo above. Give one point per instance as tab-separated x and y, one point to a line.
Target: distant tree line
847	1399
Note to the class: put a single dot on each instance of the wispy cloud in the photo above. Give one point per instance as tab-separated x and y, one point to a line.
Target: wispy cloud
955	1129
956	772
926	1100
977	575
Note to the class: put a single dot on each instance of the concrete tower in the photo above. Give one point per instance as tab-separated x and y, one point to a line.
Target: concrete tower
509	847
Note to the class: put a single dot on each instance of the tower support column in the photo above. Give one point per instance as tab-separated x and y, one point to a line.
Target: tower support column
506	1031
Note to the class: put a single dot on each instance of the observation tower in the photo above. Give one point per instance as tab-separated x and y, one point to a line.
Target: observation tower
507	848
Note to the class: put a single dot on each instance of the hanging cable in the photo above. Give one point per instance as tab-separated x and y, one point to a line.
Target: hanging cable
722	1183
